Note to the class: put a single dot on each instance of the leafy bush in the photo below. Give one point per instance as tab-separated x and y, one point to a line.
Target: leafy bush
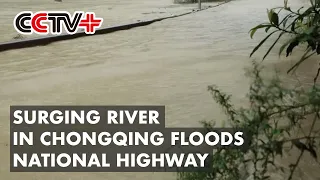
303	27
275	113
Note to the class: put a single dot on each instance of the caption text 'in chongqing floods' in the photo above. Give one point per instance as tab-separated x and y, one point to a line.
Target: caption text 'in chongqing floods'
110	138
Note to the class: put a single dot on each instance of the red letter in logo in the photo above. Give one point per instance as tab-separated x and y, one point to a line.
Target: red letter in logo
36	23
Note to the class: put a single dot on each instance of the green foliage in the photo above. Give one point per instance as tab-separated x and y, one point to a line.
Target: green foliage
276	112
303	28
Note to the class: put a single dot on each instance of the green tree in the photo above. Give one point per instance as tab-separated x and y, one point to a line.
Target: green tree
276	111
301	26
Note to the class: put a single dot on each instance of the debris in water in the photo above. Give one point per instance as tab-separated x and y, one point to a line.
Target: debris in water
19	36
154	12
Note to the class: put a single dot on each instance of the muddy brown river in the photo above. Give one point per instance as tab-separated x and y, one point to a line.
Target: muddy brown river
166	63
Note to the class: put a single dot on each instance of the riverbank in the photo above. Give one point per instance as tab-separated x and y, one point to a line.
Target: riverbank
131	11
20	41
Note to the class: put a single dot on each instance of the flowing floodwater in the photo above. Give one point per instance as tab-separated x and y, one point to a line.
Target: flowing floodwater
166	63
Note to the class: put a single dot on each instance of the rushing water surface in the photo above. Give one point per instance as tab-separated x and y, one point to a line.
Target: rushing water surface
167	63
